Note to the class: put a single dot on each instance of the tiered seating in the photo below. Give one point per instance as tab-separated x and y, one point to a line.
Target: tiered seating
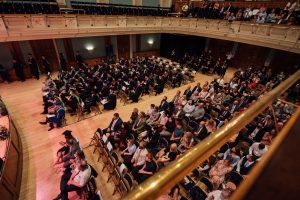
29	7
115	9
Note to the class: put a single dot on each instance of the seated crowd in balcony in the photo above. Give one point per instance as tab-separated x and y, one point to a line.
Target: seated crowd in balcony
214	10
209	9
152	139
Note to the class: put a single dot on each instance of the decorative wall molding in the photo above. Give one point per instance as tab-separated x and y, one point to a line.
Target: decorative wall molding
32	27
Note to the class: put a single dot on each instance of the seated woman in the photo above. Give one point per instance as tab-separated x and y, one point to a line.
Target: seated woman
210	126
186	142
146	171
127	153
218	172
153	117
166	155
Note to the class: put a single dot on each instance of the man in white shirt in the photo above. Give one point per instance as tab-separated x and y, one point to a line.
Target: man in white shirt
79	178
189	108
139	157
258	149
219	194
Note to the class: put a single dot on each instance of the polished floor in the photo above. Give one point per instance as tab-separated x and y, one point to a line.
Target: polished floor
24	103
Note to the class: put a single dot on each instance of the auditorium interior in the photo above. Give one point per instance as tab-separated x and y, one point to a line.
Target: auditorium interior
149	99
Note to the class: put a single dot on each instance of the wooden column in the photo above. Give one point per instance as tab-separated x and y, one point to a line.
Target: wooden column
69	50
15	50
138	43
17	53
45	48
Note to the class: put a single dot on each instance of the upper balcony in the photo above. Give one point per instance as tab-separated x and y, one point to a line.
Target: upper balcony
41	26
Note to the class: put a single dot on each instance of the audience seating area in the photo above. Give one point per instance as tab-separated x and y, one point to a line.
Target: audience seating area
115	9
290	14
29	7
215	10
82	90
132	151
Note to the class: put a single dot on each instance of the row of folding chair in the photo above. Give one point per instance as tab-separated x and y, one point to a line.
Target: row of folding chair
112	163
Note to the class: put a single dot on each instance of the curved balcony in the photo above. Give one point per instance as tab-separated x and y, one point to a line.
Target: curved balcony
11	154
29	27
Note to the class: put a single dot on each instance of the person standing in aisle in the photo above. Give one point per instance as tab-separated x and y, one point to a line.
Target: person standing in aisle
18	69
33	67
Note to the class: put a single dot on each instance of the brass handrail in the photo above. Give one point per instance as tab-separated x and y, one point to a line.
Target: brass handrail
167	177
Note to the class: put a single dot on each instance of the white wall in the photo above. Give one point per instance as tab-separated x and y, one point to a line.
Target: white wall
146	38
81	45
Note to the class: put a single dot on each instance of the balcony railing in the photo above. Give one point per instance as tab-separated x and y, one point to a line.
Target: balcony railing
31	27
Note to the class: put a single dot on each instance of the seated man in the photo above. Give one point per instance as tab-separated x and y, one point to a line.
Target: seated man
114	125
75	181
139	157
177	134
55	116
246	164
111	101
139	124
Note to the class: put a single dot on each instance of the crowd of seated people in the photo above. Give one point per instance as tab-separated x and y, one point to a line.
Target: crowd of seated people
73	167
150	140
81	89
215	10
208	9
29	7
206	63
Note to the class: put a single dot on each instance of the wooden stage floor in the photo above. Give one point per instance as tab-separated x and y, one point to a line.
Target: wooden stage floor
24	103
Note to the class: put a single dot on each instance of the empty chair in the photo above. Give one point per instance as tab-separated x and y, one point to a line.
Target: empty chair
197	193
207	183
234	177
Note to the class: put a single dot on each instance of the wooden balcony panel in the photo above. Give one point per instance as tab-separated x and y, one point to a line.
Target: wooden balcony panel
278	32
56	22
84	22
99	21
262	30
293	34
16	22
246	28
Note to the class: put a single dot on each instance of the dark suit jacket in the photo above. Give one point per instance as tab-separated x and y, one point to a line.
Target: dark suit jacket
164	105
117	125
245	170
224	115
112	102
203	133
196	88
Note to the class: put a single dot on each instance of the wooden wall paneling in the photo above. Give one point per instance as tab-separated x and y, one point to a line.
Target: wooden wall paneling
220	48
146	53
123	46
285	61
250	55
16	52
46	48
